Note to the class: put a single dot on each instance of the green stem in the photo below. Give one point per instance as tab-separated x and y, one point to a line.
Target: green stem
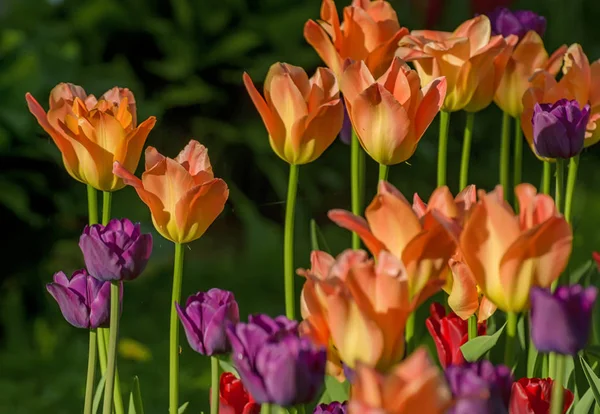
355	182
112	348
505	154
518	154
362	168
102	341
106	204
511	338
443	148
383	172
560	184
265	409
571	179
91	372
466	150
409	332
92	197
288	243
174	332
556	399
472	327
546	177
214	390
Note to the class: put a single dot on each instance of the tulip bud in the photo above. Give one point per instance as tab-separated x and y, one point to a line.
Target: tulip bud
204	320
506	22
532	396
117	251
596	257
331	408
559	128
233	397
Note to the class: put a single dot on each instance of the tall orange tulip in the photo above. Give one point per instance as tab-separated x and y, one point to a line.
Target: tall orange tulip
302	116
92	134
182	194
509	254
465	57
390	114
414	386
369	32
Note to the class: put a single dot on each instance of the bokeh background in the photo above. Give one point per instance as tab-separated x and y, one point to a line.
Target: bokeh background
184	61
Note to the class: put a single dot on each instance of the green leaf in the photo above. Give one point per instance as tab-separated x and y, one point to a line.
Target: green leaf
135	398
592	379
578	274
477	347
228	367
317	240
337	391
580	386
584	405
183	407
534	362
98	395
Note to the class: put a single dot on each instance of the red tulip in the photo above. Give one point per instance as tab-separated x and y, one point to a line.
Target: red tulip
596	257
233	397
532	396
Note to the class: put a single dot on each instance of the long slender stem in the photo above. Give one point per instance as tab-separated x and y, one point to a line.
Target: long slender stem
106	204
443	148
92	199
518	154
214	390
355	182
472	324
409	332
383	172
112	348
466	150
505	154
91	373
174	332
288	243
362	169
546	177
571	179
560	184
511	338
557	396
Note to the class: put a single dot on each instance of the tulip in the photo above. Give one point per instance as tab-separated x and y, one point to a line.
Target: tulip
183	196
204	319
561	321
331	408
465	57
369	32
596	257
84	301
92	134
302	116
506	22
117	251
559	129
413	386
275	365
532	396
346	131
449	333
390	114
233	397
509	254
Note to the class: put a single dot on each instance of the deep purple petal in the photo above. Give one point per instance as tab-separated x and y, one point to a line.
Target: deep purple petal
101	261
135	258
72	305
550	136
100	307
276	363
215	338
191	329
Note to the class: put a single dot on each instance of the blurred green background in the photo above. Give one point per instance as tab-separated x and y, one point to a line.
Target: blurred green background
184	61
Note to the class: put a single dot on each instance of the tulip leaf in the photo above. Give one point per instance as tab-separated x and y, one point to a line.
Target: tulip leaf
228	367
535	361
183	407
581	272
592	379
135	398
335	390
580	385
477	347
98	395
317	240
584	405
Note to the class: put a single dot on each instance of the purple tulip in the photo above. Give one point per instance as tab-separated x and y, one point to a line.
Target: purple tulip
560	321
117	251
204	319
84	301
505	22
559	128
479	388
275	365
331	408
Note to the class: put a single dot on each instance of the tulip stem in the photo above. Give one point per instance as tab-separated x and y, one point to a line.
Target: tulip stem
518	154
112	348
443	148
557	395
466	150
174	332
91	372
92	197
511	338
383	172
472	324
409	332
288	243
355	182
560	184
505	154
265	409
546	177
215	386
571	179
106	204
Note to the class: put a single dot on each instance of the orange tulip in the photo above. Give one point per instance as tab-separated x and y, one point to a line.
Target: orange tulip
303	116
465	57
423	245
182	194
509	254
526	58
370	32
414	386
92	134
390	115
580	82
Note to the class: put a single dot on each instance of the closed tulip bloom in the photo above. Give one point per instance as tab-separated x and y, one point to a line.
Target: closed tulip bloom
332	408
233	397
559	128
84	301
182	194
302	116
465	57
413	386
506	22
596	257
92	134
204	319
117	251
561	321
390	114
532	396
508	254
369	32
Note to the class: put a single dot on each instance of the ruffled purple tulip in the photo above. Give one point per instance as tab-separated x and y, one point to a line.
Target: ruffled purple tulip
560	321
117	251
275	365
506	22
84	301
479	388
331	408
205	318
559	128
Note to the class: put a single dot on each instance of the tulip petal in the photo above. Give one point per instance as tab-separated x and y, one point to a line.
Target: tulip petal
320	41
100	260
274	125
464	298
433	98
288	103
100	306
576	73
355	80
478	30
72	305
194	156
132	151
358	225
379	59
